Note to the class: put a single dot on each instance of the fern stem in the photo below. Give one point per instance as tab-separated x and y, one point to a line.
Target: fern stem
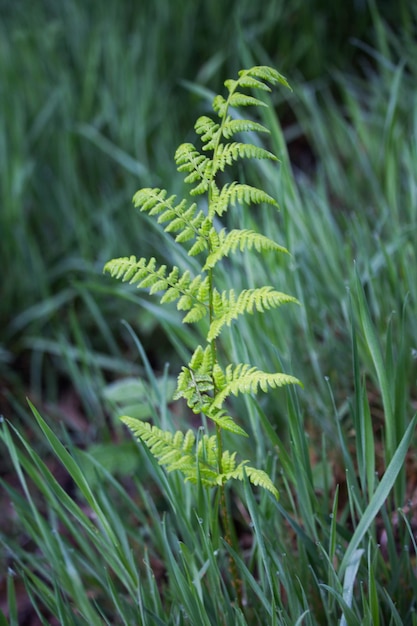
213	345
225	517
229	537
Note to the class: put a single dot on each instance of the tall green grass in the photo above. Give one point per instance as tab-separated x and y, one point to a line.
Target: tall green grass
137	546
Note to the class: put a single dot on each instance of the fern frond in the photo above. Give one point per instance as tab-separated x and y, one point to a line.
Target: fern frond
202	360
227	154
202	242
195	382
227	307
257	477
176	451
181	217
253	78
129	269
247	81
167	447
232	127
209	131
238	99
226	422
228	464
196	389
244	239
220	105
265	73
198	166
192	293
240	193
203	383
245	378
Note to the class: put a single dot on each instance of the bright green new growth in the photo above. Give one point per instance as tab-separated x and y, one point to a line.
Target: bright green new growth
203	383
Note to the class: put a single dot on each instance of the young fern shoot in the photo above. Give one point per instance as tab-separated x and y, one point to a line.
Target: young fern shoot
204	383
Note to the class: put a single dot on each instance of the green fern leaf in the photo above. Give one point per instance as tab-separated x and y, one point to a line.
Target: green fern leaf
207	450
238	99
265	73
260	478
181	217
176	451
232	127
199	246
195	389
167	447
195	314
244	239
196	385
202	359
195	382
204	239
198	166
208	130
228	462
247	79
257	477
194	299
238	193
200	364
129	269
220	105
227	307
249	82
227	154
245	378
192	293
225	421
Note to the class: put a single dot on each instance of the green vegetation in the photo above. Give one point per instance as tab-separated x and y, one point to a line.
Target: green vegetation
204	383
95	531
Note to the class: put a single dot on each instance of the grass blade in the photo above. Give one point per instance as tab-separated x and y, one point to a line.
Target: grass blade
380	496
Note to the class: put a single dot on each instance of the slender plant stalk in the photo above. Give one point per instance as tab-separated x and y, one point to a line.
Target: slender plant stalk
224	509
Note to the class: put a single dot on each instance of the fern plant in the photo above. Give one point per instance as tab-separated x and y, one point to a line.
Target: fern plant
205	383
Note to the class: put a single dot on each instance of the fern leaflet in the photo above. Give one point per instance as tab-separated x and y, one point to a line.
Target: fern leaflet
178	452
227	154
181	217
233	127
245	378
244	239
192	293
256	476
234	193
198	166
227	307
